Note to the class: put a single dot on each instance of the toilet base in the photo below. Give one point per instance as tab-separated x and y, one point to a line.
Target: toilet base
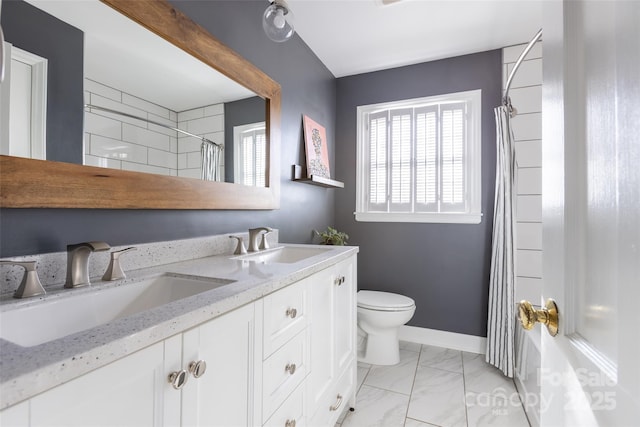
381	348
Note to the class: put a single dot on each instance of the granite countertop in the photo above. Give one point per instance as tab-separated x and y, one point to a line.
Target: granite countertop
27	371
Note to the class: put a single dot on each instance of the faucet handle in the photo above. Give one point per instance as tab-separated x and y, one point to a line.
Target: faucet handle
240	249
114	270
30	285
94	246
264	244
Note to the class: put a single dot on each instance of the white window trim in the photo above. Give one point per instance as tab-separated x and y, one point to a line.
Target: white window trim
238	167
474	183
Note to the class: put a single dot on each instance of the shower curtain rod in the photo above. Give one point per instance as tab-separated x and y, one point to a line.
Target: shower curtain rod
505	99
131	116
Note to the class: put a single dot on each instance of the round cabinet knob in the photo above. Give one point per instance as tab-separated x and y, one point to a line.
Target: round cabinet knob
548	315
198	368
292	313
290	368
178	379
290	423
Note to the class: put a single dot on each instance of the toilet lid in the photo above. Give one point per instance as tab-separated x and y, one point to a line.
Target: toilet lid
377	300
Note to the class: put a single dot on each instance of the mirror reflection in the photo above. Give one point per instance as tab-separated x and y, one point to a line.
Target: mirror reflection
115	95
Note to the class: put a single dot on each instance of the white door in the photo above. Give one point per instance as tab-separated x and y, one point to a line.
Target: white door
590	373
23	104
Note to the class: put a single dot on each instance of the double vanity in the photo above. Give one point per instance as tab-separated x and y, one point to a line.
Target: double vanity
195	337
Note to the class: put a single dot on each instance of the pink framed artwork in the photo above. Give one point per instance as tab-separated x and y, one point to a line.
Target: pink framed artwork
315	138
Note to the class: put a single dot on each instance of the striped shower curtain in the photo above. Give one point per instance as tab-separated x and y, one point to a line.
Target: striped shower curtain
210	161
501	319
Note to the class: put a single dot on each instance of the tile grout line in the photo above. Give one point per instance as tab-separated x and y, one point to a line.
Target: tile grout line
464	389
413	383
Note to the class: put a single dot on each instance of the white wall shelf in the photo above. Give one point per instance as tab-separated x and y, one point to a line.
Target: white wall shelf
321	181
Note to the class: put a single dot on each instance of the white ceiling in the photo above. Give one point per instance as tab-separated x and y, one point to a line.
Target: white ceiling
124	55
358	36
349	37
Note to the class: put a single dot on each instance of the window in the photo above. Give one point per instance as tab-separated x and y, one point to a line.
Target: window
250	145
419	160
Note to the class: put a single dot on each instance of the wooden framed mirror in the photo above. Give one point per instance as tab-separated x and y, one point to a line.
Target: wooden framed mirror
28	183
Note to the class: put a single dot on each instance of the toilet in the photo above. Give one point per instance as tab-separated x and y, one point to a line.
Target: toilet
380	315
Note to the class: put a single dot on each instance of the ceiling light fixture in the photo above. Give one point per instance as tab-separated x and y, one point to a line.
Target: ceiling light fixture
277	21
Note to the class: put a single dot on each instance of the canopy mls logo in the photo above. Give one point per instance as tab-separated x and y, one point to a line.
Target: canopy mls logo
588	388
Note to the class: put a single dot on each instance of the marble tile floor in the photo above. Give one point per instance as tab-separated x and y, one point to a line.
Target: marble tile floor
434	386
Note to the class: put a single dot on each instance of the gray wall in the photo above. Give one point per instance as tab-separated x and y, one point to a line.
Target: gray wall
307	88
444	267
30	29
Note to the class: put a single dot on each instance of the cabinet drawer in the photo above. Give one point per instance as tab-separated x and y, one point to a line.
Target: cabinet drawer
335	402
291	413
285	315
283	372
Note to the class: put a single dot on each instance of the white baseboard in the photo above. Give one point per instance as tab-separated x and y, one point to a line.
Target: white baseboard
452	340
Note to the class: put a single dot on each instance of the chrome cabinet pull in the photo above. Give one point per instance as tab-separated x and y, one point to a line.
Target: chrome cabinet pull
178	379
290	368
197	369
290	423
337	404
339	280
291	312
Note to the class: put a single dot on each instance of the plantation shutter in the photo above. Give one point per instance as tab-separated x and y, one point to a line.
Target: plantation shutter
253	155
426	158
452	176
261	158
377	194
400	153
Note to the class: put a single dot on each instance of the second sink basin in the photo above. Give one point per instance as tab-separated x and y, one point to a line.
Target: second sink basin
284	254
56	318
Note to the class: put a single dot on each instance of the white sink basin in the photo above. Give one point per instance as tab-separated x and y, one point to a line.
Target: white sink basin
284	255
58	317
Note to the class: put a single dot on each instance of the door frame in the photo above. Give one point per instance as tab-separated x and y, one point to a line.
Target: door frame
38	120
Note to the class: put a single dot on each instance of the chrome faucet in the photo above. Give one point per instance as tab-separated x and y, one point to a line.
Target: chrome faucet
78	262
254	233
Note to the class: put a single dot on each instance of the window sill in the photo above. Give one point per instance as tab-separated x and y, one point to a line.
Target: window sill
444	218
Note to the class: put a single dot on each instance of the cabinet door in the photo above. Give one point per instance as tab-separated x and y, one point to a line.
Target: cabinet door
223	396
344	313
321	346
131	391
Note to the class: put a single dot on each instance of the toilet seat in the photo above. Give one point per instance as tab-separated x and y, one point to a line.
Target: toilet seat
384	301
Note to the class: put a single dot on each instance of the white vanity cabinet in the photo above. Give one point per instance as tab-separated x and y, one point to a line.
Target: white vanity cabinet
287	359
135	390
332	380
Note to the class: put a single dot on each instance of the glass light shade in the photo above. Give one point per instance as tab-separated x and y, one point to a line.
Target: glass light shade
277	21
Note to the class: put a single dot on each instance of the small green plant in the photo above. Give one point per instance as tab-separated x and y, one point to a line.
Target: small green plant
331	236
